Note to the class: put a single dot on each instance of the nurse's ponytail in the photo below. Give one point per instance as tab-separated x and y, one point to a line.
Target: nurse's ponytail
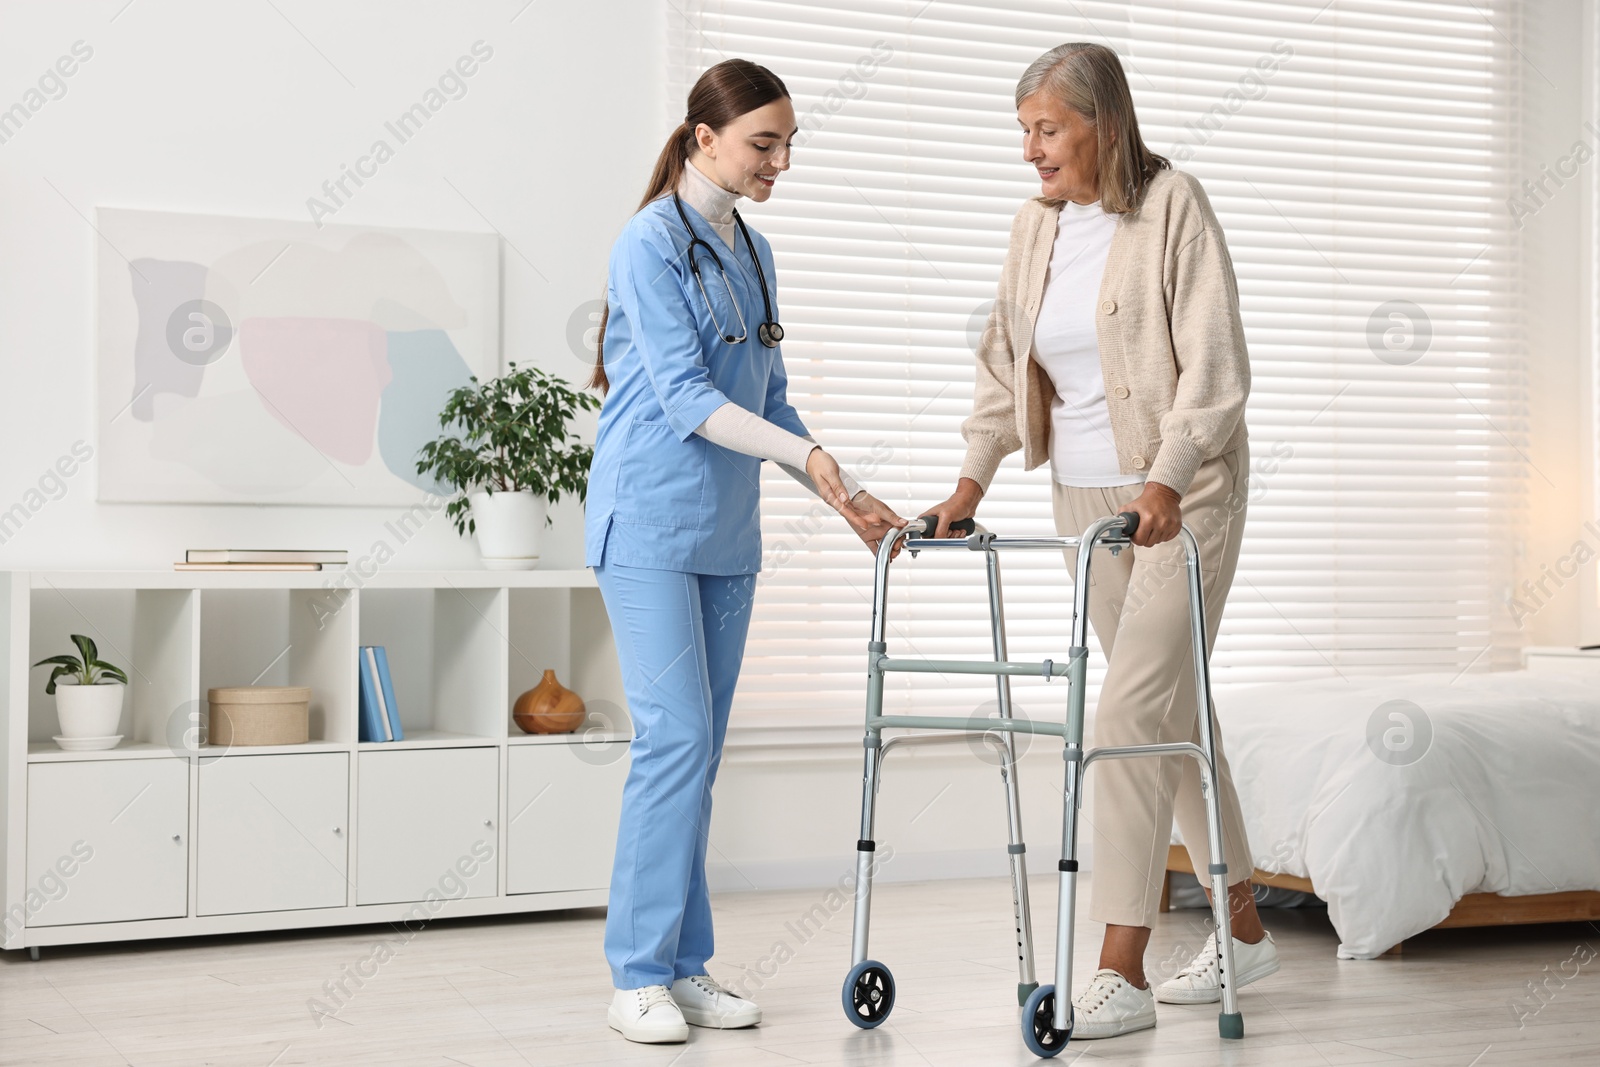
732	88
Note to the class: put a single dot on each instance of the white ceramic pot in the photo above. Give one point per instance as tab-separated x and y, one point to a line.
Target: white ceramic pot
89	710
509	528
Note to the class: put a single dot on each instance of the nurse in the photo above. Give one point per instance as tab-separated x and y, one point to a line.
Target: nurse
695	399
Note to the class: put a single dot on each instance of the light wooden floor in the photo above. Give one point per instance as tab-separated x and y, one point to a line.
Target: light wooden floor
532	990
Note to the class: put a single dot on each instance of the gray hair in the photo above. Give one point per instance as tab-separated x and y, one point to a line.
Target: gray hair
1088	78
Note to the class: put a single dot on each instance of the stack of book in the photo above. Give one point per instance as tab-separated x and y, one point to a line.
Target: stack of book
261	559
380	718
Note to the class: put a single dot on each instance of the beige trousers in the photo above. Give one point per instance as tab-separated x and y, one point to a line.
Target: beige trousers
1139	609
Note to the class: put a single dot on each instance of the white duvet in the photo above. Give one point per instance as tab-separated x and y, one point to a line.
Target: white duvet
1397	796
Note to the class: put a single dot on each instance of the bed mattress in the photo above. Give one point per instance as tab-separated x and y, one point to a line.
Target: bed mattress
1397	796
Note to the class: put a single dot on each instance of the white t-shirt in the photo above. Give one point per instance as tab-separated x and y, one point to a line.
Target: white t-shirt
1065	343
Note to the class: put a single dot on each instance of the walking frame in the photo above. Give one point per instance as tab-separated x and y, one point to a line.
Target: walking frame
869	990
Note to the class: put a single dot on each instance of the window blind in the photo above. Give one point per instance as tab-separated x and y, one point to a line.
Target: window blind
1356	154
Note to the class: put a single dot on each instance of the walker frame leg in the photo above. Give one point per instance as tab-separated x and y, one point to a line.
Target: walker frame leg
872	743
1230	1023
1016	848
866	847
1072	789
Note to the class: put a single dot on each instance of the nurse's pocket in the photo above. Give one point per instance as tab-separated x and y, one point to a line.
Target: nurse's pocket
661	480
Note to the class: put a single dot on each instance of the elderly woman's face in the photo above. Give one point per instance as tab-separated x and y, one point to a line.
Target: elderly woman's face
1062	147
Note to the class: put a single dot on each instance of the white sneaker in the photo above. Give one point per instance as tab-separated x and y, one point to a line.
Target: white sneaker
1111	1006
647	1015
704	1002
1198	983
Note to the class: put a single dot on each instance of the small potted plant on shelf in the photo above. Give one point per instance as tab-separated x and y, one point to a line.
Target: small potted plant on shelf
509	457
88	694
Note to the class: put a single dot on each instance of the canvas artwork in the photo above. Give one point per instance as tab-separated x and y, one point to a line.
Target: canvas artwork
260	361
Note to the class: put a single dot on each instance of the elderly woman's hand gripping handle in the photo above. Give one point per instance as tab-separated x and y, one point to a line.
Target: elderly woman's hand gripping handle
1159	514
1157	507
962	504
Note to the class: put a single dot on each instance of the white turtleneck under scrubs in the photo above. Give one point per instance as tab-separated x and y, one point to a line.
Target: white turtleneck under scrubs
1066	345
711	200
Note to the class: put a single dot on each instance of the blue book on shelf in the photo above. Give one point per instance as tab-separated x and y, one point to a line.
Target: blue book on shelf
372	720
370	654
386	690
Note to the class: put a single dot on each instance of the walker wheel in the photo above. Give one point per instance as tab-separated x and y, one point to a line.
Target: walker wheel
1038	1029
868	994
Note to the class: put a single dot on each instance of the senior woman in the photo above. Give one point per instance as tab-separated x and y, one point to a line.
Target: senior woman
1115	352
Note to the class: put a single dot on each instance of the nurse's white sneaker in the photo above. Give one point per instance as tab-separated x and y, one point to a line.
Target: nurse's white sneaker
1198	983
648	1015
1110	1007
704	1002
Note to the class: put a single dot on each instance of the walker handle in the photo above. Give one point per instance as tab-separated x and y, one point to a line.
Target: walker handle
930	526
1130	523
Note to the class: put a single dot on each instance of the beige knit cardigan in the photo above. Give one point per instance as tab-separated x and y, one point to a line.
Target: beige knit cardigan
1171	343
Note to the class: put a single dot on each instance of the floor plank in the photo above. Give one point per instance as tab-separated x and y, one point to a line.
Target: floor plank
519	991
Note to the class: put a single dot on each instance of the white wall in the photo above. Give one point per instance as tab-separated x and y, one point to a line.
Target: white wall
1557	74
229	109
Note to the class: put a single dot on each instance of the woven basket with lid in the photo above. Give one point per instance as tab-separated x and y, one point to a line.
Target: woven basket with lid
259	715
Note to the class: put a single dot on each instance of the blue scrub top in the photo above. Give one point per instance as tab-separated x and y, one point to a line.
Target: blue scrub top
660	495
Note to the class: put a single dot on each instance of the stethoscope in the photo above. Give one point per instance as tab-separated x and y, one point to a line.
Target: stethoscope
770	331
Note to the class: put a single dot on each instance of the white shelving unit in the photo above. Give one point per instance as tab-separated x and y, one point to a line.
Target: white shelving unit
165	836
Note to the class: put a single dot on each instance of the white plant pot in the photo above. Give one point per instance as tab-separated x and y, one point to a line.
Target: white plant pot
509	528
89	710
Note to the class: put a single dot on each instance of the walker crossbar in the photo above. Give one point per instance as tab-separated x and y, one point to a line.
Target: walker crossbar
944	737
969	725
869	990
1047	669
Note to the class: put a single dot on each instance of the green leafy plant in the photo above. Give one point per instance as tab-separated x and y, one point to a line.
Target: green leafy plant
90	670
510	435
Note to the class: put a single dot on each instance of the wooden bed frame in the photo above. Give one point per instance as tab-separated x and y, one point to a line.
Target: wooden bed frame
1474	909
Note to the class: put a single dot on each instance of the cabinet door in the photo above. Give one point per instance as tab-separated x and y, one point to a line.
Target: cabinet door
273	832
108	840
563	805
426	820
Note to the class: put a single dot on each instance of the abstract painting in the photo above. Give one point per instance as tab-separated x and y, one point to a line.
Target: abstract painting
257	361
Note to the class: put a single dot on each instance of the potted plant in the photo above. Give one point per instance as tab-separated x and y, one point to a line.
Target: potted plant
89	698
508	458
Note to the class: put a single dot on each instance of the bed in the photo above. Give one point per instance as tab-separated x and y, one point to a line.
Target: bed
1422	801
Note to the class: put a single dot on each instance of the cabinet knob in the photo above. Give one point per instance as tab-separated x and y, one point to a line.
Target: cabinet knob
337	830
177	837
486	822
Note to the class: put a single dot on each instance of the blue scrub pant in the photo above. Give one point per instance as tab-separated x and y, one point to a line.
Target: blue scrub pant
680	640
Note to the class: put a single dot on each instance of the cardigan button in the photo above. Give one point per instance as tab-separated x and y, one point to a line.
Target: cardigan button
1109	307
1138	463
1120	392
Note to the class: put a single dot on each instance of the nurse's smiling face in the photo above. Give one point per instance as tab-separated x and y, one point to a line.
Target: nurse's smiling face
747	155
1062	146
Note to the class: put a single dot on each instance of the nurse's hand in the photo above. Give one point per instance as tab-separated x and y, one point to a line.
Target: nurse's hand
883	518
824	474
